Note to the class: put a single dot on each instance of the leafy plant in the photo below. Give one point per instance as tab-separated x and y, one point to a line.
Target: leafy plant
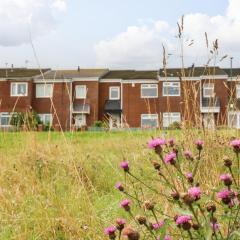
199	214
28	119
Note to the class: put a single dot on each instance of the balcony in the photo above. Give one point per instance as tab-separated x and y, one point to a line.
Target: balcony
210	105
112	106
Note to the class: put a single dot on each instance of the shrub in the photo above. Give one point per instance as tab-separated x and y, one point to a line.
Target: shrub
28	119
189	210
175	125
98	124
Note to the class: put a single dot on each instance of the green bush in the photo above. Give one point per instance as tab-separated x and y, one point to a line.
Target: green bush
175	125
98	124
29	120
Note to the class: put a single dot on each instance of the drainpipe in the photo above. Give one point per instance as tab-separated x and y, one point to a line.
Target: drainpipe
201	100
71	106
121	89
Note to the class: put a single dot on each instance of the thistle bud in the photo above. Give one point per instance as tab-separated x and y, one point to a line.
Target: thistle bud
141	219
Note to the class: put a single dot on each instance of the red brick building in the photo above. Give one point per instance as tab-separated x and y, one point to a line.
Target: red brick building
70	99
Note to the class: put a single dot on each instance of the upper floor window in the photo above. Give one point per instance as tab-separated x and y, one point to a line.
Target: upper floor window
81	91
46	118
114	93
171	89
208	90
149	120
149	91
44	90
238	91
19	89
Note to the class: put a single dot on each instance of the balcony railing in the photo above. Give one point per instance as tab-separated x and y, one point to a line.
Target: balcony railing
210	105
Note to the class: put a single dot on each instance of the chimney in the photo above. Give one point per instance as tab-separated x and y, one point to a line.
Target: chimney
78	69
12	68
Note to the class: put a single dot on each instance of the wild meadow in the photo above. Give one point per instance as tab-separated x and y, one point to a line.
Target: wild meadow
62	185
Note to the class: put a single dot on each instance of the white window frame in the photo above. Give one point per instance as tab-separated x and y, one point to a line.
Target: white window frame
208	86
169	116
149	86
44	95
110	93
237	114
19	94
151	117
85	91
238	91
43	116
171	84
7	114
83	121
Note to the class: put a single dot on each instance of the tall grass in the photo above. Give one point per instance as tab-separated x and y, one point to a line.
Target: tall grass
63	188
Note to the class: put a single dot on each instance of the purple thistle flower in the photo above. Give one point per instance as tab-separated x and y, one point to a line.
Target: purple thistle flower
224	194
214	226
171	142
224	177
119	187
188	154
195	193
156	144
236	145
183	219
120	223
199	144
110	231
125	166
167	237
189	177
227	179
170	158
157	225
125	204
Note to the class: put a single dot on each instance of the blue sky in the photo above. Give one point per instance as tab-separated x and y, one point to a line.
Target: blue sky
92	33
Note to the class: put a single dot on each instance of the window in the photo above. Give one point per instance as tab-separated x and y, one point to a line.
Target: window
5	119
149	120
171	89
80	120
238	91
46	118
208	90
81	91
169	118
234	119
44	90
114	93
149	91
19	89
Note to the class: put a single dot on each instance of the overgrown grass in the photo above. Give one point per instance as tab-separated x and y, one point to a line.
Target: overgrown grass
55	186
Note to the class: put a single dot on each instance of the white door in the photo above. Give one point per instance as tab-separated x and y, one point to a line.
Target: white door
208	120
114	121
80	120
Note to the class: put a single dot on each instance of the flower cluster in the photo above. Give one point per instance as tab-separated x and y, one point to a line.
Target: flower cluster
180	186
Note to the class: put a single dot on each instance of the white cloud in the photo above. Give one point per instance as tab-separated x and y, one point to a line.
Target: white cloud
19	16
140	46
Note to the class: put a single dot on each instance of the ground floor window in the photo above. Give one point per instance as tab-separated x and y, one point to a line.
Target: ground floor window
114	120
80	120
149	120
209	120
234	119
46	118
5	119
171	117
